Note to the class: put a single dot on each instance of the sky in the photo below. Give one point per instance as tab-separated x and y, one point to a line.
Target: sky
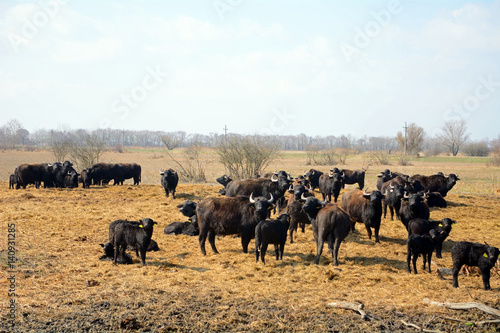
318	67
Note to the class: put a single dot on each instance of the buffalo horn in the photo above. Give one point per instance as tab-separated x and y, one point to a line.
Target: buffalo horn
251	198
303	197
274	178
162	172
365	191
405	195
392	186
272	198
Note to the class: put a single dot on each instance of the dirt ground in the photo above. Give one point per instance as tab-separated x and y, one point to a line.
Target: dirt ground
61	285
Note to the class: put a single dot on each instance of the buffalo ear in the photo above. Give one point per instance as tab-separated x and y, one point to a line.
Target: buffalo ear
180	205
102	245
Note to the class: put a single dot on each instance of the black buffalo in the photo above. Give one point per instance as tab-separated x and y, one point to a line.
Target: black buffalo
13	181
413	206
169	180
271	232
474	254
102	173
352	177
276	186
437	183
33	174
313	177
229	216
294	209
331	184
330	224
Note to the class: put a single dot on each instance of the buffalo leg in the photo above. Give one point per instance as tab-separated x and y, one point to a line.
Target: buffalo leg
277	251
336	247
202	238
244	243
376	234
211	240
263	250
292	228
429	256
485	274
384	208
408	259
414	259
455	271
369	231
143	256
282	249
166	193
320	249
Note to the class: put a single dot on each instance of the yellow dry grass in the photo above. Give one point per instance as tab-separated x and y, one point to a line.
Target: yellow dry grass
58	232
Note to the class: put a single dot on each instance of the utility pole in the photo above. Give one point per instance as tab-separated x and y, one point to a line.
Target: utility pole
225	134
406	139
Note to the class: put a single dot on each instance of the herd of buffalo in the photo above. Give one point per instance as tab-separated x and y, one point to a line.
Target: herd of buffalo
245	205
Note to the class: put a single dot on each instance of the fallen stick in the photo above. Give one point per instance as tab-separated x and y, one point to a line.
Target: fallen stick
418	327
465	306
351	306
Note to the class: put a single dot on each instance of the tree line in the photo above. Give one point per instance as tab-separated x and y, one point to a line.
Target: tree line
452	140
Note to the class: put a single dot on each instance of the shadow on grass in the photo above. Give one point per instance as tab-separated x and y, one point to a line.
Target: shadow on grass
188	196
370	261
167	265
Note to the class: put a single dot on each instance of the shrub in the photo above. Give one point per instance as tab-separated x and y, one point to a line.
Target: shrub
243	157
476	149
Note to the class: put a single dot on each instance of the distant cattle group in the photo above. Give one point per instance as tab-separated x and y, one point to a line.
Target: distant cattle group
244	207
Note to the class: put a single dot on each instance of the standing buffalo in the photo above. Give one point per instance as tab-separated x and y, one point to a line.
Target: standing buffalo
86	179
437	183
366	208
330	223
33	174
387	175
313	177
294	209
352	177
104	172
276	186
393	193
413	206
125	171
330	184
230	216
71	179
169	180
13	180
271	232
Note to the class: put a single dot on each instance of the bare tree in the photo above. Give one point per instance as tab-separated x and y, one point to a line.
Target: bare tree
173	139
87	154
243	157
10	132
192	167
60	149
412	142
454	135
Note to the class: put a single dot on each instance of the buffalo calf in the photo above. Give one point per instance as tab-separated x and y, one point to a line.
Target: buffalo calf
136	236
474	254
271	232
420	245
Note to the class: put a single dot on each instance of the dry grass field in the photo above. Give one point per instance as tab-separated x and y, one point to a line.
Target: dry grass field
61	285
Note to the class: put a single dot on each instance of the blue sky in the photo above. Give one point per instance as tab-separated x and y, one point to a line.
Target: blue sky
267	67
